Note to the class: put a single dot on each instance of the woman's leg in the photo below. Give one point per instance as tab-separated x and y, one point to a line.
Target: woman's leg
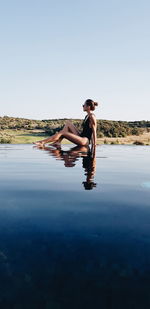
69	127
47	140
76	139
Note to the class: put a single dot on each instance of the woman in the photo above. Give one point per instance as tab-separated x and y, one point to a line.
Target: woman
70	132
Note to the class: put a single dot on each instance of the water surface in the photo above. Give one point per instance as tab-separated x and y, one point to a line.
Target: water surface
74	231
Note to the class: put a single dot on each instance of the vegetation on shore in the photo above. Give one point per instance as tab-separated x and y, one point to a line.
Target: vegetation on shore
19	130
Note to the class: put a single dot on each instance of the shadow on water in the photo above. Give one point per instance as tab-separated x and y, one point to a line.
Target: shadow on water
71	156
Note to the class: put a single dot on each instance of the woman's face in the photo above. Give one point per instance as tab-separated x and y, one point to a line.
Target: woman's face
85	107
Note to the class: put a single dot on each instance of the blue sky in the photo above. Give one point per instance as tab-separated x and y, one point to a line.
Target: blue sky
55	54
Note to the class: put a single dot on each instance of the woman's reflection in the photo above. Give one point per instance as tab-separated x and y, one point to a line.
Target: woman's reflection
89	164
72	155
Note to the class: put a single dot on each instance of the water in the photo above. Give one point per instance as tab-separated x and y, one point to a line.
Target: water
74	231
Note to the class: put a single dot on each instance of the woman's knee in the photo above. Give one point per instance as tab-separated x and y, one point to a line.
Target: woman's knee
68	122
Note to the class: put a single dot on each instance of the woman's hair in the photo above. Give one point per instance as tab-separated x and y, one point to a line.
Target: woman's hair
91	103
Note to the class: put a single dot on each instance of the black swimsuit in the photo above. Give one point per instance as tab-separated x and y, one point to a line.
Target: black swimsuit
87	131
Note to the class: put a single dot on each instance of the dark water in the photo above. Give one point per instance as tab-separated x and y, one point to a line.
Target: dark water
74	231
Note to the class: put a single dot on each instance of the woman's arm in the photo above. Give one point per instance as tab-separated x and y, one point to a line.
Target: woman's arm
94	128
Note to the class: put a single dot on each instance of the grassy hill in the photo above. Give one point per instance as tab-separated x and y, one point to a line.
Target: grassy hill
21	130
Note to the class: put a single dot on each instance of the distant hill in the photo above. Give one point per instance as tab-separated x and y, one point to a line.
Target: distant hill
106	128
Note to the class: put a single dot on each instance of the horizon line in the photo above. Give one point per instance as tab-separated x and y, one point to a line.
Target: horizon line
45	119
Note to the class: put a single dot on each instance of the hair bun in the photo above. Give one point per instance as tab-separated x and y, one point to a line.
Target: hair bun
91	103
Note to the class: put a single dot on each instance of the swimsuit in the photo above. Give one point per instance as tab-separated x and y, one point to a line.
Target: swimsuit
86	131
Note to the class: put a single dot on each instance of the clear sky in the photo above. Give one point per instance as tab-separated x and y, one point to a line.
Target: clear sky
54	54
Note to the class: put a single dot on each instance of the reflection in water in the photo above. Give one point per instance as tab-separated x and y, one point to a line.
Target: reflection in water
71	156
89	164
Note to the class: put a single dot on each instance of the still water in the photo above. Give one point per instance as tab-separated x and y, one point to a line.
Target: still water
74	230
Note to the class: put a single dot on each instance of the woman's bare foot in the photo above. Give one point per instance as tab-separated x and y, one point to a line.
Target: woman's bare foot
53	139
39	144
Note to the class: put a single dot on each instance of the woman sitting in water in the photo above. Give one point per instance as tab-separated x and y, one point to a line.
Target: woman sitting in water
70	132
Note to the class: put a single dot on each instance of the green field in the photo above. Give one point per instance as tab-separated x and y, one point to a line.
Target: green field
21	136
